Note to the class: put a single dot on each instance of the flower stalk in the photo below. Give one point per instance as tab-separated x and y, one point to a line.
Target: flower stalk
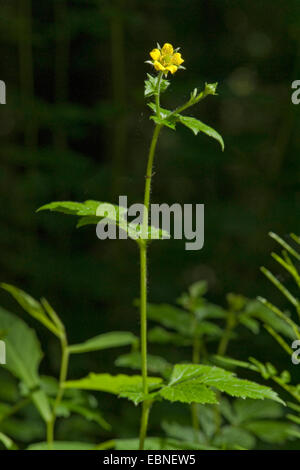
143	268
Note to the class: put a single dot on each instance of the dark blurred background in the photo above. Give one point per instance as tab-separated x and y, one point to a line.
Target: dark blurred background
76	127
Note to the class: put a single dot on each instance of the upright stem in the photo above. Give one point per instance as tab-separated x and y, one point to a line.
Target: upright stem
196	359
143	312
60	393
143	285
143	269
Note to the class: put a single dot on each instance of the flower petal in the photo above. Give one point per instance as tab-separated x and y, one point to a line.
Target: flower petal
158	66
177	59
167	49
155	54
172	69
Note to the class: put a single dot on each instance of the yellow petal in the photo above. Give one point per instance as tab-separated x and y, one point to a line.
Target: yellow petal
172	68
167	49
177	59
158	66
155	54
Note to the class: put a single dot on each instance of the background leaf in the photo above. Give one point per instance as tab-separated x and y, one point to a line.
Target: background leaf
23	357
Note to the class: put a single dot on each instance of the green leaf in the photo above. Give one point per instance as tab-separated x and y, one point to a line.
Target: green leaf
62	445
209	310
188	392
156	364
222	380
257	310
249	323
230	362
247	410
230	437
166	117
7	442
67	407
162	336
151	85
180	432
113	339
160	443
273	432
181	321
72	208
285	245
114	384
24	355
88	210
198	289
197	126
31	306
171	317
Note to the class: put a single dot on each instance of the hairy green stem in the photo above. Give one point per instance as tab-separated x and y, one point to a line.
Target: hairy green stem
144	423
143	269
60	393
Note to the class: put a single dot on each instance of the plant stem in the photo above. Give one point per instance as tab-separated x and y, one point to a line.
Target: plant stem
14	409
230	324
143	312
157	96
143	269
144	423
196	359
60	393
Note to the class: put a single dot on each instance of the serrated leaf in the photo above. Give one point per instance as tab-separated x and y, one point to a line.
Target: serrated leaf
188	392
23	356
152	83
88	210
222	380
197	126
113	339
72	208
114	384
166	118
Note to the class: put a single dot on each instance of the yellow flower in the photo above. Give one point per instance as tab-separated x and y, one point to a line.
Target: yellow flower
166	59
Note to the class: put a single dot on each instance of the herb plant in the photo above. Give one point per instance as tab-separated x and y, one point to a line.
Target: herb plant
195	382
